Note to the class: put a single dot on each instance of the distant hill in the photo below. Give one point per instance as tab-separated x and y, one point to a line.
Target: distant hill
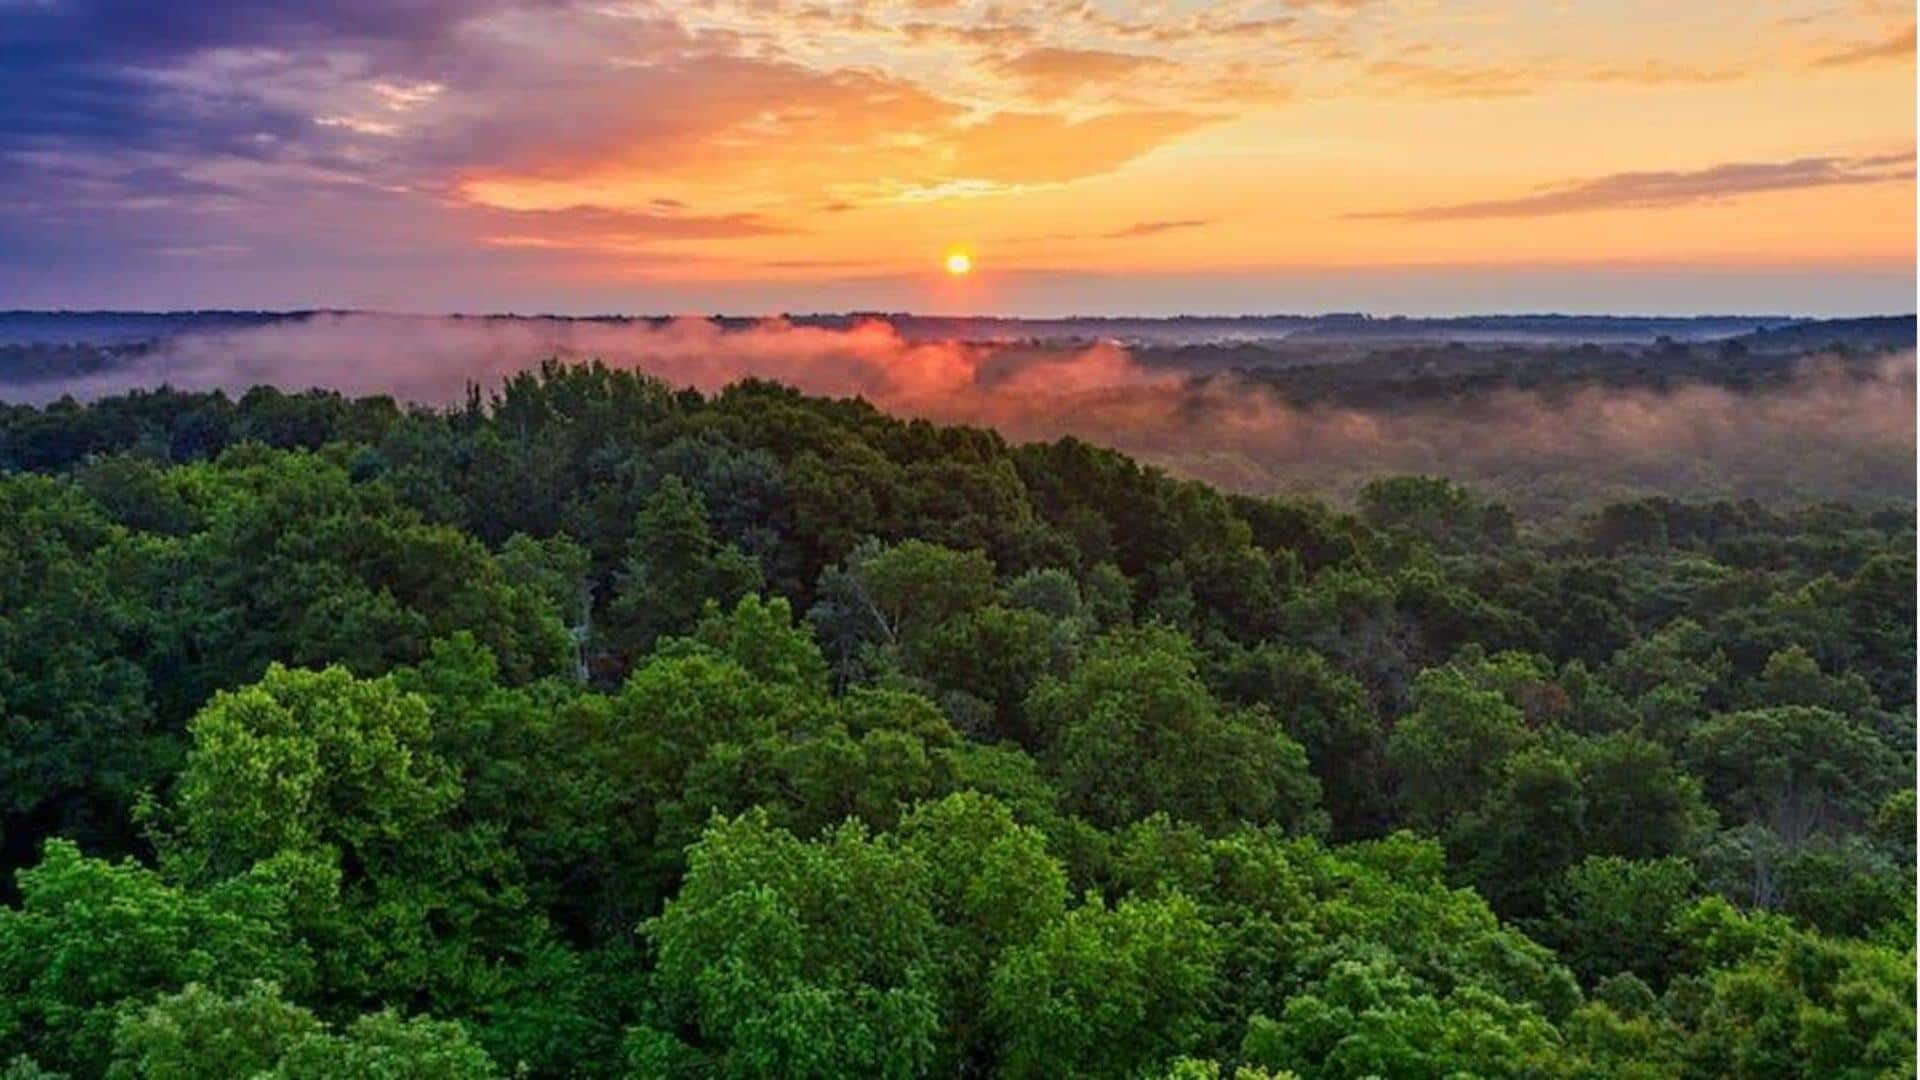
113	328
1877	333
123	327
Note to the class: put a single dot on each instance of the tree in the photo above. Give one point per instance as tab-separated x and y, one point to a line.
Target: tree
1793	677
302	760
1639	803
382	1046
780	957
995	887
1609	915
995	654
199	1033
1445	752
1781	1002
92	937
1328	713
1369	1020
762	637
1132	731
1531	826
562	572
1796	769
1428	506
78	730
338	776
1106	991
883	600
1879	604
1674	675
674	566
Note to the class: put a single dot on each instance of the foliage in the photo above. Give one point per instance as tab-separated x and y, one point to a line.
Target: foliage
599	729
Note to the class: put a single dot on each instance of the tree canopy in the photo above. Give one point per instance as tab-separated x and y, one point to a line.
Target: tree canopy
600	729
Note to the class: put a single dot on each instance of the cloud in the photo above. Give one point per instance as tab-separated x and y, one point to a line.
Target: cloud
1665	73
977	35
425	130
1649	190
1421	78
127	127
1026	147
594	229
119	72
1433	80
1898	47
1149	228
1055	72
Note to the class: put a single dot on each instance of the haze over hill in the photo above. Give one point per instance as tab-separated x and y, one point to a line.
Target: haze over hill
131	327
1554	411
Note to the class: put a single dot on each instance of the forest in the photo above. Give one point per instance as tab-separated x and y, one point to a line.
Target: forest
594	727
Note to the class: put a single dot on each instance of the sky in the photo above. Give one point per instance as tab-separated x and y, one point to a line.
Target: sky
763	156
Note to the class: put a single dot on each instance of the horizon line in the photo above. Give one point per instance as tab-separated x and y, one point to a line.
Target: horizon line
291	312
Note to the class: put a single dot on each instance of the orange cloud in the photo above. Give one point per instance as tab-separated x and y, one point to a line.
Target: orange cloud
1149	228
1012	147
1056	72
1664	73
1649	190
990	35
1432	80
1899	46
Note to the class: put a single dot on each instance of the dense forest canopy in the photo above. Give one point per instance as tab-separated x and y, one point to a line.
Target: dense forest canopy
595	727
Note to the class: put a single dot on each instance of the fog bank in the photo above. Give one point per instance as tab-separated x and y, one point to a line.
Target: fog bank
1830	432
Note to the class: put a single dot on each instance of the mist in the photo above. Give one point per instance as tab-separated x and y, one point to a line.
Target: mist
1830	432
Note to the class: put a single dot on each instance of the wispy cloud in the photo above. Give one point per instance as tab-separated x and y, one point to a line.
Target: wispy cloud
1061	72
1436	80
1150	228
1897	47
1647	190
594	229
1666	73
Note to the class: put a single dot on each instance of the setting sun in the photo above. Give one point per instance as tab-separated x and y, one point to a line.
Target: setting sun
958	263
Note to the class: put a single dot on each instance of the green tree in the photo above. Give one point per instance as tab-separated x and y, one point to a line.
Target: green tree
1609	915
408	901
1368	1020
199	1034
1531	825
382	1046
1133	731
1447	751
674	566
78	730
1795	769
1781	1002
1106	991
92	938
780	957
303	759
1328	713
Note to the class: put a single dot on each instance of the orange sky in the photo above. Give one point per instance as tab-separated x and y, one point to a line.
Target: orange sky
720	152
1207	137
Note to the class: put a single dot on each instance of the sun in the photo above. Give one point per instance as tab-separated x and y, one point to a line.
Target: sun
959	263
